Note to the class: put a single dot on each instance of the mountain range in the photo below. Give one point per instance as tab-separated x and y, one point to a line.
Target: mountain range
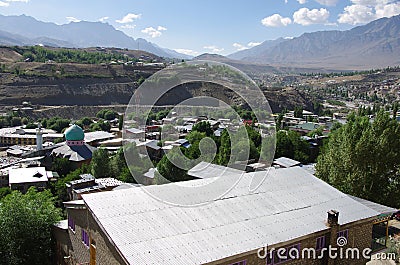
26	30
374	45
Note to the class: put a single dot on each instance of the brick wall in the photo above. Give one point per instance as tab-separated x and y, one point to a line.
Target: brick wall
359	236
106	253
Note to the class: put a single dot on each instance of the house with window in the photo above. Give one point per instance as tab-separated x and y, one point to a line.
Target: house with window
291	217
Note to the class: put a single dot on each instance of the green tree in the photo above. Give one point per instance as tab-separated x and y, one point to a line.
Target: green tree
25	225
298	112
167	168
118	163
110	115
31	125
56	123
120	122
101	125
24	121
100	163
289	144
62	166
204	127
16	121
225	149
362	159
4	192
86	121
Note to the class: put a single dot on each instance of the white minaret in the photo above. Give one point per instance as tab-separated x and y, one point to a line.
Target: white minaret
39	138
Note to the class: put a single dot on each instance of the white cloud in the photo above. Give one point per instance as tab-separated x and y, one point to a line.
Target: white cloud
161	28
239	47
253	44
356	14
154	33
102	19
73	19
286	1
370	2
364	11
302	2
6	3
276	20
129	18
327	2
305	16
213	48
388	10
187	52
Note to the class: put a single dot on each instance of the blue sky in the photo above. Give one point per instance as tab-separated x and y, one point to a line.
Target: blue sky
215	26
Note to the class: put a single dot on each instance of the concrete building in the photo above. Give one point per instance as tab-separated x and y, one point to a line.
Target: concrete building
88	184
291	210
23	178
22	136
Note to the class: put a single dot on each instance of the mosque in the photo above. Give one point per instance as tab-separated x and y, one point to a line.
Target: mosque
75	148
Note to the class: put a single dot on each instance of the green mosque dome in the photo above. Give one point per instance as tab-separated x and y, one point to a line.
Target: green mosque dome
74	133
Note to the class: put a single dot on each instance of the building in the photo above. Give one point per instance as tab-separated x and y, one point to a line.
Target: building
88	184
23	136
23	178
95	138
75	148
284	162
129	226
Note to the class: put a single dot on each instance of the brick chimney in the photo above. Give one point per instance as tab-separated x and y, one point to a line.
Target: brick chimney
333	223
333	218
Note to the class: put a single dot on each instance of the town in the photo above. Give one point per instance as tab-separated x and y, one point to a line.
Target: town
200	133
81	161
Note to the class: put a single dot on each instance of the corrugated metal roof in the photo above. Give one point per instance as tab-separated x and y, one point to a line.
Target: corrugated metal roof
207	170
290	203
376	206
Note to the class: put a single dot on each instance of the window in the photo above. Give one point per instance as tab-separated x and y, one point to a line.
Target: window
320	243
85	238
71	223
343	233
293	252
290	253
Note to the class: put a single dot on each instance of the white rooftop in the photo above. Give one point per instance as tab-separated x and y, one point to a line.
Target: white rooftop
286	162
205	170
289	204
98	136
28	175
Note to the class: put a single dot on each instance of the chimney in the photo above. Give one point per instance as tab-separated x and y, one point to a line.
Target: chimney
333	218
333	224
